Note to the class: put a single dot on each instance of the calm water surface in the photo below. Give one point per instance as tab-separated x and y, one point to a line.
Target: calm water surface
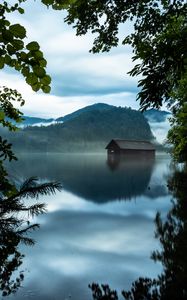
100	228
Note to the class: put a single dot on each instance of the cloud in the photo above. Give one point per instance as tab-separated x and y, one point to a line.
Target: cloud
160	130
50	105
93	75
79	248
79	78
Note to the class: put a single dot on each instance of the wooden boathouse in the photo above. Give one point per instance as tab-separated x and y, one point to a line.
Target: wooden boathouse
118	146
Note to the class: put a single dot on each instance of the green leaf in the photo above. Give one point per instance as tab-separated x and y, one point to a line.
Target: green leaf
2	62
43	63
23	56
46	89
18	31
2	23
38	54
17	66
21	10
39	71
2	115
32	79
18	44
7	35
12	63
36	87
7	59
11	49
25	71
47	2
7	23
33	46
46	80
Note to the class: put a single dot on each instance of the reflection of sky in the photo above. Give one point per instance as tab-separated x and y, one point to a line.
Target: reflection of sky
91	246
80	242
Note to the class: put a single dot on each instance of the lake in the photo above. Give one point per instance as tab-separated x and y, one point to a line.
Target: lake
100	228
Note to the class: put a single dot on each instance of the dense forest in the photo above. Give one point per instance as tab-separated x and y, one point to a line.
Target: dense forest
87	130
152	115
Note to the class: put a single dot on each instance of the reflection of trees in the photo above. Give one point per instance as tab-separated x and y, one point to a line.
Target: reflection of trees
91	176
14	229
138	160
172	234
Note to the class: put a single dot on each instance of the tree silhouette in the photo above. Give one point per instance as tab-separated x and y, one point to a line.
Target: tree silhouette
14	229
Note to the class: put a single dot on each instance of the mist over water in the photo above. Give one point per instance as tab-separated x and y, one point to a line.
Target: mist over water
100	228
160	130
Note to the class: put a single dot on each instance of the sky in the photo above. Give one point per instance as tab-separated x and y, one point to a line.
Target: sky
79	78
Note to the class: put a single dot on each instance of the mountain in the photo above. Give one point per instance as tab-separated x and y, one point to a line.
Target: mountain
28	121
33	121
98	106
87	130
152	115
155	115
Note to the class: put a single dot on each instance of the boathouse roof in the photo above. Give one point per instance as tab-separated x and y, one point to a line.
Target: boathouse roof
130	145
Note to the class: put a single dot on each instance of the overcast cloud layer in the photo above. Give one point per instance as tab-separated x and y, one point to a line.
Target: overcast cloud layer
79	78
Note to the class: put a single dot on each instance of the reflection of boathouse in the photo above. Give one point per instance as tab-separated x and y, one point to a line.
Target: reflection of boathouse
92	177
117	146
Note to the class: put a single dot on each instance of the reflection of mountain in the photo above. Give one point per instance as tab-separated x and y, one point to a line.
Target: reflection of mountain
91	177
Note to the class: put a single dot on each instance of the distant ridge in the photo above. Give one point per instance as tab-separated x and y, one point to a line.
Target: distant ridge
35	120
96	106
32	121
152	115
86	130
155	115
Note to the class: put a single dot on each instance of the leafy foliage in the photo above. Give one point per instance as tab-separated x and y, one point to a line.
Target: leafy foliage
158	39
177	135
14	230
28	59
58	4
29	189
102	292
7	110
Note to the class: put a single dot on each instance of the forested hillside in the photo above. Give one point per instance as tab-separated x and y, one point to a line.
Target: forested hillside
97	106
89	131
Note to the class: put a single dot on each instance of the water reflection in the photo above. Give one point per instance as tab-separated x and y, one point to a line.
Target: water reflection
81	241
93	177
172	235
135	159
